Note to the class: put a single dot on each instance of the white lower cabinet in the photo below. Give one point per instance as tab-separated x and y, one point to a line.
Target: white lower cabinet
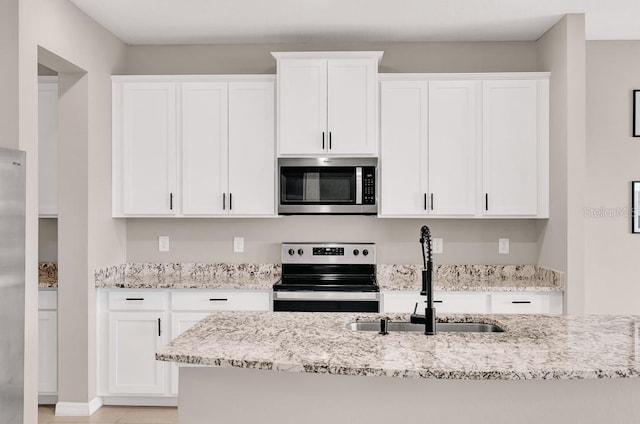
134	339
47	346
475	302
135	324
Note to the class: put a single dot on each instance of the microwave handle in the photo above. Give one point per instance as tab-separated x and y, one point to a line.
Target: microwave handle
358	185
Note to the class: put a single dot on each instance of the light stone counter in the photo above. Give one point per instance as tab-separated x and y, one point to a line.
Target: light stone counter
538	347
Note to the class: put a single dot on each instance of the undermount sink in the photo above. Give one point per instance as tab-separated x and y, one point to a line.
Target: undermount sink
442	327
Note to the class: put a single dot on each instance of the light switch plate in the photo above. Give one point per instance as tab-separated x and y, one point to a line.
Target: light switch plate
503	246
238	244
438	245
163	243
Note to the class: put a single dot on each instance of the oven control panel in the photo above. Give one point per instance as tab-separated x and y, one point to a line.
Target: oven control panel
328	253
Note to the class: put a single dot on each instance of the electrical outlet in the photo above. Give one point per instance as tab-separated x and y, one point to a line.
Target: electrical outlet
163	243
503	246
238	244
438	245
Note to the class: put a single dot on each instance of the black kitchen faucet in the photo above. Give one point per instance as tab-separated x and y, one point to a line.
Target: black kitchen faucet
429	317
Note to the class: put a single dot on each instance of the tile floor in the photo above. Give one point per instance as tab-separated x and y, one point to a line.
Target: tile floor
114	415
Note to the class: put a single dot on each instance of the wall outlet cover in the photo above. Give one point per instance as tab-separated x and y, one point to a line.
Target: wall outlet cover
238	244
438	245
163	243
503	246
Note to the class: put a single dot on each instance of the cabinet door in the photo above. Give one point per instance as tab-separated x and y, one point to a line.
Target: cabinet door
47	147
403	148
302	106
181	322
352	106
47	352
204	148
509	143
251	148
149	148
134	339
453	116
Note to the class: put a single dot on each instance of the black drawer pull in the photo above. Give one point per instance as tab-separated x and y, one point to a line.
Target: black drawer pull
216	299
134	298
521	301
159	330
435	301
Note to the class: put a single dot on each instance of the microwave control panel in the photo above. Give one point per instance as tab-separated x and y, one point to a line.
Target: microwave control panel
369	185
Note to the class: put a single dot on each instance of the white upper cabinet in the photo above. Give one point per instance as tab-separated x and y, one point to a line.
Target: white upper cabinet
48	147
510	138
252	179
428	147
146	125
204	147
404	149
453	136
215	132
464	148
327	103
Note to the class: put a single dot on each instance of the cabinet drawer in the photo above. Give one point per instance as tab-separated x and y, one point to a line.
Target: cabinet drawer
47	300
137	301
443	302
520	304
219	300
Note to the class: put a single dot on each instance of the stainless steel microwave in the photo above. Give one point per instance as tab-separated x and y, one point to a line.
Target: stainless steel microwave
327	186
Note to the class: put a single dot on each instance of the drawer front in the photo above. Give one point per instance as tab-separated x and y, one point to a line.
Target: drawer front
443	302
137	301
520	304
48	300
219	300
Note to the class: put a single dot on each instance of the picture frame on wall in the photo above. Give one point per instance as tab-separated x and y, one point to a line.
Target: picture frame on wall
636	113
635	207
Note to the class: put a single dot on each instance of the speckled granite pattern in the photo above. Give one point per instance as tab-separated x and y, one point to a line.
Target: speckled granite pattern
472	278
47	275
532	346
188	275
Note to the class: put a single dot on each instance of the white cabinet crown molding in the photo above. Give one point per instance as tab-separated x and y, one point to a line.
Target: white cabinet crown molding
330	55
464	76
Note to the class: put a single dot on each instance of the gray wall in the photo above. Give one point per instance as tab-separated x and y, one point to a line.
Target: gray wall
612	262
561	51
209	240
47	240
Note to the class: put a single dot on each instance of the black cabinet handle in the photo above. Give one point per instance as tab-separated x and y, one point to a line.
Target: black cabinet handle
521	301
329	140
159	327
322	140
435	301
134	298
218	299
425	201
230	201
431	201
171	201
486	201
224	201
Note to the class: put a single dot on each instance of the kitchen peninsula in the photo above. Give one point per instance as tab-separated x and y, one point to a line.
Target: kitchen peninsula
277	366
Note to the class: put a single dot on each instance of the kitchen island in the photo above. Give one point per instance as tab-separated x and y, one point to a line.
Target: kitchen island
301	367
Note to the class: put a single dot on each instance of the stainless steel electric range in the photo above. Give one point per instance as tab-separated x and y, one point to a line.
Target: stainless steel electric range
327	277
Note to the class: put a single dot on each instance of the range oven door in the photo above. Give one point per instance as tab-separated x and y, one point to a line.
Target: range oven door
322	301
338	186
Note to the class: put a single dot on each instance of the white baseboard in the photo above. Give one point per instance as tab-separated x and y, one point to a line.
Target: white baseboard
140	400
78	409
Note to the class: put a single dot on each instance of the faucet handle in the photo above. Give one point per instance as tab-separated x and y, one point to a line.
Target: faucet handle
415	308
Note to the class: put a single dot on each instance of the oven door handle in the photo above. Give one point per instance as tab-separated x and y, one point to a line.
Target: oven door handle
319	295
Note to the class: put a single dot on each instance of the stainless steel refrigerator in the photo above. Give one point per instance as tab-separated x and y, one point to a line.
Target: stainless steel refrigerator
12	284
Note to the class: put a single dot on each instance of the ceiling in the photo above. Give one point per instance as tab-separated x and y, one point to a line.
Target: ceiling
300	21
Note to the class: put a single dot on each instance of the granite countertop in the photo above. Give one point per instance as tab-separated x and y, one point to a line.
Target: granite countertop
47	275
533	347
506	278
